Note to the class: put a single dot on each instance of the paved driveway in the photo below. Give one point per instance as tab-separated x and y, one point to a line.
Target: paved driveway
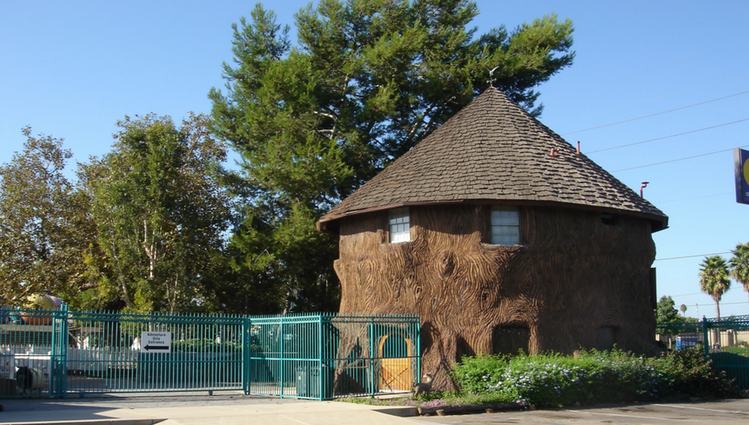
236	409
710	413
190	409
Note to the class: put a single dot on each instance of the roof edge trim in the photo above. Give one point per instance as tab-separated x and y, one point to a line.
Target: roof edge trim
660	222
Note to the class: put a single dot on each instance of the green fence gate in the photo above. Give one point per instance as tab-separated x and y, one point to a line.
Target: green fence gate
323	356
726	341
313	356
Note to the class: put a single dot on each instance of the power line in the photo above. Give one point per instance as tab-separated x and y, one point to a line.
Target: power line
691	256
685	295
722	303
653	164
655	114
670	136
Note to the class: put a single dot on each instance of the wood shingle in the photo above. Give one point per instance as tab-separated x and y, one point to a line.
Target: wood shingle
492	150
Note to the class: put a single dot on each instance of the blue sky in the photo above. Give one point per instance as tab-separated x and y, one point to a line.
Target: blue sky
72	69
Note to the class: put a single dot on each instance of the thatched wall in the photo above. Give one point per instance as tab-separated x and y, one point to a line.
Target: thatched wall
574	276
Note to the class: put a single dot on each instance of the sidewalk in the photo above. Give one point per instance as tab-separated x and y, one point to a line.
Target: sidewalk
223	410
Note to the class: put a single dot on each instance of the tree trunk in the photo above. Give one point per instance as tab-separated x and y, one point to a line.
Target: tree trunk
150	249
125	293
173	297
717	309
716	331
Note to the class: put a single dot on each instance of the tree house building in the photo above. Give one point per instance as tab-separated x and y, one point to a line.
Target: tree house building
502	237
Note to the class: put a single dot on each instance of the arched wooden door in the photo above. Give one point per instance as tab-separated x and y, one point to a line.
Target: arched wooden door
395	353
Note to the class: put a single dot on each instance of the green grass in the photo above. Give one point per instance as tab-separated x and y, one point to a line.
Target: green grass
742	351
374	401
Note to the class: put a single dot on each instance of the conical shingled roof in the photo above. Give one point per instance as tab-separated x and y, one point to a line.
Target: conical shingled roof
493	150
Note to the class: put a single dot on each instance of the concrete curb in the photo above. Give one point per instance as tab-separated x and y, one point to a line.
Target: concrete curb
400	411
468	409
112	421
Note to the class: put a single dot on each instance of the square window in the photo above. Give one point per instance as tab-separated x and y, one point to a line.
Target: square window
505	226
399	225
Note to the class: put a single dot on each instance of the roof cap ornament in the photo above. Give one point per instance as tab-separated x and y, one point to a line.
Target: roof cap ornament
491	79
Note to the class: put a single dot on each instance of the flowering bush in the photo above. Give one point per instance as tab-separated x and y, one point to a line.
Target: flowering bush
591	377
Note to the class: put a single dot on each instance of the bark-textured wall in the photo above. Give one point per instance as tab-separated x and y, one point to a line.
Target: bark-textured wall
573	275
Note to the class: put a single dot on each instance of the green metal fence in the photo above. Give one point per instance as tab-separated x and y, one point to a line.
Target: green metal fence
371	355
312	356
323	356
729	346
726	341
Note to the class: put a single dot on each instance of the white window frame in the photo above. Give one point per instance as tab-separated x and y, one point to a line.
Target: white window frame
504	219
399	225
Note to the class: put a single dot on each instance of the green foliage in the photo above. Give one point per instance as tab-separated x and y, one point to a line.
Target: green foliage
474	372
714	279
665	312
689	372
365	81
160	212
45	225
668	320
145	227
742	350
740	264
591	377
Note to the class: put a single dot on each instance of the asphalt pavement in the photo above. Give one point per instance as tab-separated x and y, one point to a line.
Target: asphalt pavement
230	409
728	412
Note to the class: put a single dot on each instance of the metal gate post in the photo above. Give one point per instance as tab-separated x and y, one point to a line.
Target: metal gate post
371	357
417	337
53	365
58	358
283	362
706	344
246	341
321	373
63	347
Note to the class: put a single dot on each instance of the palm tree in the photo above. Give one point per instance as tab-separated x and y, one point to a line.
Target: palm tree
740	265
714	279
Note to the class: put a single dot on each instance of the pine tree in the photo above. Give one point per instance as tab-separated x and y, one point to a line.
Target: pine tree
364	82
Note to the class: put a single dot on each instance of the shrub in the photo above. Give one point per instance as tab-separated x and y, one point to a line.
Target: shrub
591	377
475	374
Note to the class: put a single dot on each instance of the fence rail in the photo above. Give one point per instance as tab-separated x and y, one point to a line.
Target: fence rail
313	356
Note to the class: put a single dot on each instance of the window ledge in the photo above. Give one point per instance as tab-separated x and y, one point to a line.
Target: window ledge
516	247
388	243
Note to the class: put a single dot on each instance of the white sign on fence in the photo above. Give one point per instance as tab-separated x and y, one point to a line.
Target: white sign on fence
156	342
